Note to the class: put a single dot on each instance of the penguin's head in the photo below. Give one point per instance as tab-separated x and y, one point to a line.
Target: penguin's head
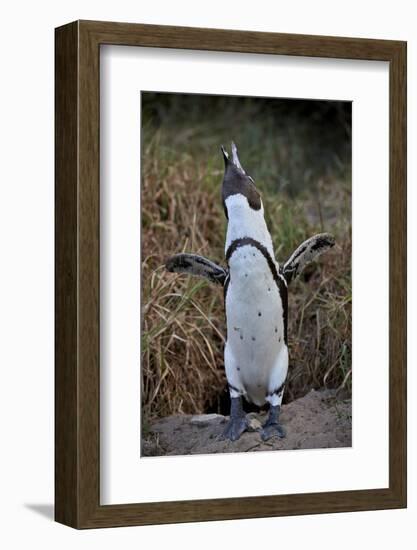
237	184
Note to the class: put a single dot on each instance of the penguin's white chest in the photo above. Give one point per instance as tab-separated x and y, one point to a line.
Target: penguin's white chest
254	314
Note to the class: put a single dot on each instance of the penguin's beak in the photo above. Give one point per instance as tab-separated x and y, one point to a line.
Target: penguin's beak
237	182
234	161
225	157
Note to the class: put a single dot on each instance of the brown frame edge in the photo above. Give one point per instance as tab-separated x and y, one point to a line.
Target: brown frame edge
77	377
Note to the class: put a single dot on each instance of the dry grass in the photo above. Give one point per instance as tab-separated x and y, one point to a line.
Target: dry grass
183	318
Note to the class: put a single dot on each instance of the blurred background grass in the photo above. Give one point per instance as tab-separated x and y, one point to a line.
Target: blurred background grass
299	154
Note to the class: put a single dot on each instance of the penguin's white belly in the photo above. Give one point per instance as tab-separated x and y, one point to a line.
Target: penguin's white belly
255	327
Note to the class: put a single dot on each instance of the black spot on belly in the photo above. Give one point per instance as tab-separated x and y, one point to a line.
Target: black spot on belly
259	313
237	368
246	274
241	337
276	330
253	338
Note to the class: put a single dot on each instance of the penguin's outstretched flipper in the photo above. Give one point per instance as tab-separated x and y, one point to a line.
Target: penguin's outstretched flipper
306	253
192	264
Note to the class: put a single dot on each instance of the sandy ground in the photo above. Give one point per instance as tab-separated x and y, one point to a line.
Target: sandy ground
315	421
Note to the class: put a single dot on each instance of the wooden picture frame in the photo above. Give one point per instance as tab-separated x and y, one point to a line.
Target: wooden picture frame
77	374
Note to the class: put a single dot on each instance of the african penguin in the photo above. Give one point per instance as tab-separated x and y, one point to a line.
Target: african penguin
255	299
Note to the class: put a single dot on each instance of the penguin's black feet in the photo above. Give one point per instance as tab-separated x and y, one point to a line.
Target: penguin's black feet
235	428
272	427
271	430
238	422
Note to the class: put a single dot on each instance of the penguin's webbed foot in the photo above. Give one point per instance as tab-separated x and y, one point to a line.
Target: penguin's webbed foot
235	428
272	427
238	422
271	430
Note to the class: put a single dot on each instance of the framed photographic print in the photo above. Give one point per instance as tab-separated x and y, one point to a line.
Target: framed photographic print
230	274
